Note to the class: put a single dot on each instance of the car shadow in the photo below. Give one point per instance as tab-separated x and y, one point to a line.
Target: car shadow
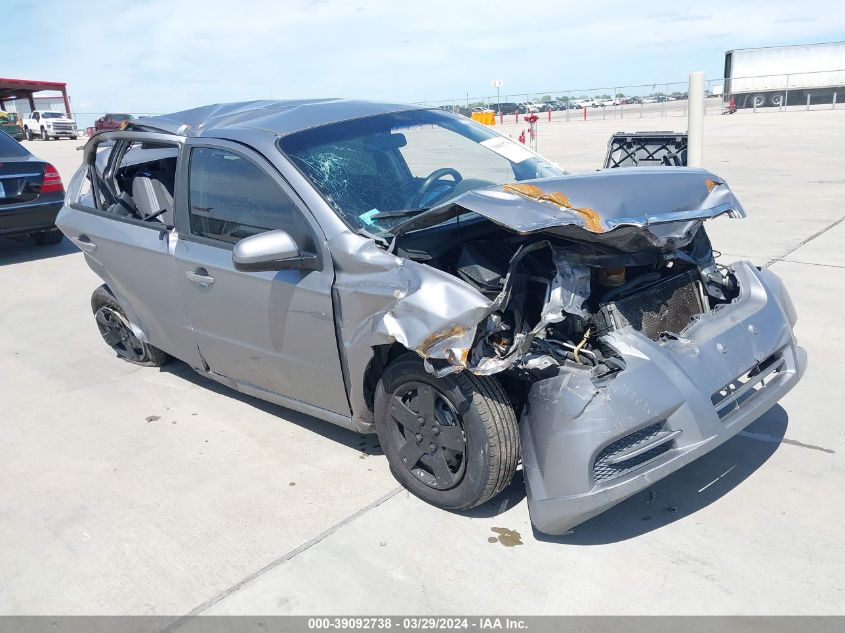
365	444
14	250
685	491
512	495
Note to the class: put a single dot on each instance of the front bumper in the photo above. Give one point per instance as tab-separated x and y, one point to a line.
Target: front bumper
587	445
54	133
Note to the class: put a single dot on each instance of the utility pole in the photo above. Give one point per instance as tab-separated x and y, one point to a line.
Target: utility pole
497	84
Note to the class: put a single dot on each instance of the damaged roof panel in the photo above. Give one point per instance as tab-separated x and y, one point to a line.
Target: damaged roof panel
280	117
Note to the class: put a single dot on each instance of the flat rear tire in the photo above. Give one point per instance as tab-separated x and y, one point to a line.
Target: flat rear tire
117	333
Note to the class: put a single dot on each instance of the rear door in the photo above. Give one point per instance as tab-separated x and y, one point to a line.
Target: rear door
133	256
272	330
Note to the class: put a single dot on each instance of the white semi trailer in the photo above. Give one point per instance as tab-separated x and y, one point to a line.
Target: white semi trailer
785	75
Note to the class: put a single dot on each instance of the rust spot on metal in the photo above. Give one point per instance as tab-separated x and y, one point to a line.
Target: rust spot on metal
436	337
533	191
459	359
592	218
711	184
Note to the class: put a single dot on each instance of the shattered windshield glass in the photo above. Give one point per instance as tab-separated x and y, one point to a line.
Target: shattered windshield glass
378	171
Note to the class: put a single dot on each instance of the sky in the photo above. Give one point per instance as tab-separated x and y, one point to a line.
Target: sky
159	56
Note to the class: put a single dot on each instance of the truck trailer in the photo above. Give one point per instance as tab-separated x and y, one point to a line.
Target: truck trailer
785	75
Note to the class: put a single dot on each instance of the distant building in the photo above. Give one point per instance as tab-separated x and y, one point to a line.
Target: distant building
18	95
56	104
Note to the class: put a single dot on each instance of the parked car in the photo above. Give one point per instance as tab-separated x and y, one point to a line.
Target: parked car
311	256
31	194
113	121
508	108
10	123
539	106
46	124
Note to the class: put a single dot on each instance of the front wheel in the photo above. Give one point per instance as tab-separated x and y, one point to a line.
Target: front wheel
44	136
451	441
117	333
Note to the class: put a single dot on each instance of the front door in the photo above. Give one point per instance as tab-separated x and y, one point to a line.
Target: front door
272	330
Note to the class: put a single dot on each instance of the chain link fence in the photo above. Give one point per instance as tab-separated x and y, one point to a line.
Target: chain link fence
738	95
769	93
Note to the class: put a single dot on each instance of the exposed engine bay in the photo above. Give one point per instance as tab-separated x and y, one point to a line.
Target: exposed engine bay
553	297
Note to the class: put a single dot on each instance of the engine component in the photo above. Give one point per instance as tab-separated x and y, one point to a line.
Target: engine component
667	305
484	265
612	277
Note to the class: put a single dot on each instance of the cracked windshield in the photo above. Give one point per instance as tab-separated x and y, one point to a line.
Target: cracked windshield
379	171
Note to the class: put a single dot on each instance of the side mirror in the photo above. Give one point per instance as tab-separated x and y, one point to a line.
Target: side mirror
273	250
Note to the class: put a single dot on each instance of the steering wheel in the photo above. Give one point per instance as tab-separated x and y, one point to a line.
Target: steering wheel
430	181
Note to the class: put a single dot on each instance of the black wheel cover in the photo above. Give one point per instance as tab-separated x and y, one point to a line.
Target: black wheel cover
119	336
429	433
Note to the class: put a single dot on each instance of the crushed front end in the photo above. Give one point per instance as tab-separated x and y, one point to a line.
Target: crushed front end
589	441
595	299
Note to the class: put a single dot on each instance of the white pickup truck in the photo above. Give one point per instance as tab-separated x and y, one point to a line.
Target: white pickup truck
48	124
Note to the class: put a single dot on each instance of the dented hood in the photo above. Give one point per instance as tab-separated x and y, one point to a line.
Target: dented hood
596	203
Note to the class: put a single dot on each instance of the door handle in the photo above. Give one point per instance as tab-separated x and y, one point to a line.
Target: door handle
200	277
84	243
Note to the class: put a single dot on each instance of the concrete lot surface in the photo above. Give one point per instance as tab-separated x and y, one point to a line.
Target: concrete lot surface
142	491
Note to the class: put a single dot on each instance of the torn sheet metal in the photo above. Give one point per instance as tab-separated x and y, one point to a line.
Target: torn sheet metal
669	203
382	298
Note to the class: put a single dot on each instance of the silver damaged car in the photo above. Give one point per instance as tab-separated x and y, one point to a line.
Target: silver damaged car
407	271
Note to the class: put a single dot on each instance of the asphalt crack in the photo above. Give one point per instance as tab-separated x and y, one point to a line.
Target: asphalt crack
282	559
805	241
765	437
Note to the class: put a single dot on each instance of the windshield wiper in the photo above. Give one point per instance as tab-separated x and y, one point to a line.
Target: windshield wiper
401	213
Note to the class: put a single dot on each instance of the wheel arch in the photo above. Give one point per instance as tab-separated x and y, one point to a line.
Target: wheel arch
383	355
128	312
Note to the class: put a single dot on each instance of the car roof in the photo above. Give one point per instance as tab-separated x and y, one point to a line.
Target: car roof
275	117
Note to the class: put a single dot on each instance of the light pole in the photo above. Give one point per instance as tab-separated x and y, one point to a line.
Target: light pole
497	84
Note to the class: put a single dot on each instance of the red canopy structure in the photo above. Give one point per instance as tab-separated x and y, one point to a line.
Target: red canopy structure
24	89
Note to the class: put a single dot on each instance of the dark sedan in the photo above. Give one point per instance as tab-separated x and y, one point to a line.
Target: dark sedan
507	108
31	194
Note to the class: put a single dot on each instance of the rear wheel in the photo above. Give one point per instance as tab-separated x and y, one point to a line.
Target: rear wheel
117	333
451	441
29	135
47	238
